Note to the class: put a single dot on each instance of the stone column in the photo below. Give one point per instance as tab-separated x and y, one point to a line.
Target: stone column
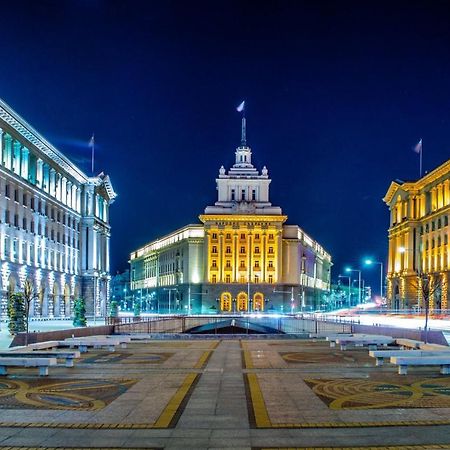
236	257
25	163
1	146
39	174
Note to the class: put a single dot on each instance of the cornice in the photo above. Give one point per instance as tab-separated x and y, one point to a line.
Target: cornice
17	123
242	218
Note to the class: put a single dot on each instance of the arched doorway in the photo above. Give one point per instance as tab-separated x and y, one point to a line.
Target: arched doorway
67	300
41	307
225	302
242	302
258	301
396	298
55	300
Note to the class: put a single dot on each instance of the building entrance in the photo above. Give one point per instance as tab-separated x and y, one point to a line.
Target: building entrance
242	302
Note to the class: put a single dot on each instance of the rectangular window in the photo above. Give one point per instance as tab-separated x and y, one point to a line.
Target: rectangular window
242	249
242	236
228	250
16	195
214	249
227	279
16	220
256	249
257	236
25	200
270	279
228	263
270	249
32	226
256	279
24	223
214	279
228	236
32	203
256	264
233	195
242	265
214	263
7	190
254	194
243	194
271	236
271	264
7	216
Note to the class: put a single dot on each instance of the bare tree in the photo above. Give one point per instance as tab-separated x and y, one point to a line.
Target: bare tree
428	285
30	293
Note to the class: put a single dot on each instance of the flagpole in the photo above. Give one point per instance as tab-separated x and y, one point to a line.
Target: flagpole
421	150
93	151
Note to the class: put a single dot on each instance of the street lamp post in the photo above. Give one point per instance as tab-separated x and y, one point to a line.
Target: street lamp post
369	262
349	287
348	269
292	297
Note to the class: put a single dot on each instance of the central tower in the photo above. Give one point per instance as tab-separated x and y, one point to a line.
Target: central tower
243	234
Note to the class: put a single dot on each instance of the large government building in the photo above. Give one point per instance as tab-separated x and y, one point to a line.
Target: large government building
54	224
418	239
242	257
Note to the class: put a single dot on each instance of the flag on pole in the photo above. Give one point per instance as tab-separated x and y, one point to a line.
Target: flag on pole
418	147
92	146
241	107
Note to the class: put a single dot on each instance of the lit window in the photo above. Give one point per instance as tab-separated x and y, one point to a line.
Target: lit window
242	249
214	263
270	236
270	249
228	250
228	279
270	279
270	263
214	279
228	263
214	235
256	279
242	236
214	249
256	249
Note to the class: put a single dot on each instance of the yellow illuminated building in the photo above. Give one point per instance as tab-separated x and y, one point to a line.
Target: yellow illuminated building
241	258
418	239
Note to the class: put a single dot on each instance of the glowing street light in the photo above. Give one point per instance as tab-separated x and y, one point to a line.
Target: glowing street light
348	269
369	262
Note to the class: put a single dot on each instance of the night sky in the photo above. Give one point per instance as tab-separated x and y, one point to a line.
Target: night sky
337	95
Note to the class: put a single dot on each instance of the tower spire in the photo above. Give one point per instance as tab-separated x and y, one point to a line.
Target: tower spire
241	109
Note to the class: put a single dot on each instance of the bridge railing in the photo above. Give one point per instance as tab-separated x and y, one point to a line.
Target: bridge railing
180	324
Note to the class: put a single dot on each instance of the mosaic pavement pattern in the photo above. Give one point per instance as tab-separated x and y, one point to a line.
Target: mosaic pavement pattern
127	358
80	395
390	393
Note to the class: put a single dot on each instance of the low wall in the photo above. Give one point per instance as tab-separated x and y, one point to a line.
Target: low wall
60	335
433	336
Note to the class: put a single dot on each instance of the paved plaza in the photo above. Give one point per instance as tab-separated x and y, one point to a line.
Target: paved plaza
230	393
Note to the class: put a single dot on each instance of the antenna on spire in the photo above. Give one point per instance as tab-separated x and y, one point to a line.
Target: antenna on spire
241	108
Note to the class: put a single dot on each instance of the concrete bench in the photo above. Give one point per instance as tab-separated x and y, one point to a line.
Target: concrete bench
439	360
42	363
36	346
68	356
383	354
371	342
119	340
408	343
437	347
84	344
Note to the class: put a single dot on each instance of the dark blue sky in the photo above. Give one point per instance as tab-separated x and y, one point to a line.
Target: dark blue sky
337	95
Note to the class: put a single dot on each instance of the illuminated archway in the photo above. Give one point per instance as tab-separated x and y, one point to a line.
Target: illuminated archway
67	300
225	302
242	302
258	301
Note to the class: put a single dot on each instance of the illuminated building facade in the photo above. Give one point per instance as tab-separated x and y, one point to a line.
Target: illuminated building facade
54	224
241	258
418	239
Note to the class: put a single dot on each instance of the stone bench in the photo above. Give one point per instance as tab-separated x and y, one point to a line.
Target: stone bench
120	340
36	346
371	342
331	338
68	356
42	363
408	343
383	354
439	360
84	344
437	347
